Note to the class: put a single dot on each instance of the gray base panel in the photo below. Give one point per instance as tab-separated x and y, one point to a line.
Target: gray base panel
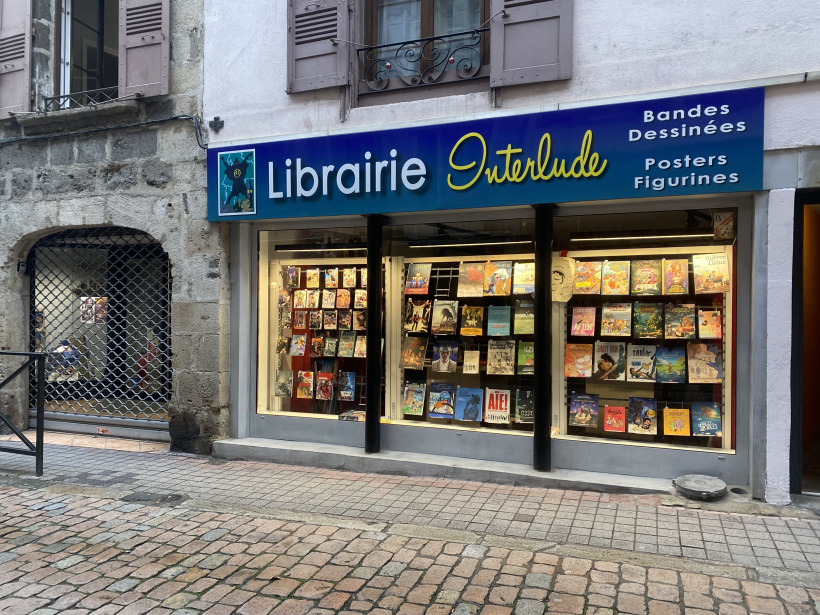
154	431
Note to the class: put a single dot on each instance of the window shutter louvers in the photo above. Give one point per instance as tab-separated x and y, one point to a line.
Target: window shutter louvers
315	61
531	42
144	47
15	57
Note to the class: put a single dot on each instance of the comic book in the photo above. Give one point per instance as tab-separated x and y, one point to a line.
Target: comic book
469	404
312	278
291	277
331	344
445	317
346	390
583	410
300	319
501	357
583	322
587	279
498	320
412	352
470	280
711	273
418	279
417	315
710	324
676	276
640	363
445	356
313	299
441	400
284	383
615	278
524	406
315	319
359	320
324	385
643	415
360	352
578	361
284	301
363	277
300	299
347	342
286	319
496	406
679	321
705	362
329	319
676	422
472	320
413	401
345	320
648	319
498	278
349	277
523	278
471	361
360	299
670	365
526	357
298	344
646	277
317	347
707	419
342	299
331	278
616	319
304	388
328	299
615	418
610	361
524	318
283	345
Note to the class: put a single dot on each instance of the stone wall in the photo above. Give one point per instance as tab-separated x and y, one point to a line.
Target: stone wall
94	167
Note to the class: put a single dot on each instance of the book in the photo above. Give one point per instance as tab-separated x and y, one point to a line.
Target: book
440	400
445	317
315	319
704	362
470	280
578	361
413	352
324	385
615	278
498	278
342	299
610	361
329	319
417	315
445	356
471	362
723	223
676	276
646	277
331	278
563	278
284	383
643	415
347	342
286	319
710	324
469	404
496	406
331	344
648	320
670	365
284	300
283	345
615	418
583	410
317	347
349	277
360	351
616	319
313	298
707	419
346	389
291	277
299	299
472	320
523	278
297	345
418	279
679	321
711	273
676	422
524	406
363	277
345	320
304	387
498	320
501	357
526	357
640	363
328	299
583	322
300	319
587	278
359	320
413	401
524	318
360	299
353	415
311	278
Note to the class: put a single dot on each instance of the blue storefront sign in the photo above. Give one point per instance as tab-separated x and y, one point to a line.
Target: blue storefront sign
699	144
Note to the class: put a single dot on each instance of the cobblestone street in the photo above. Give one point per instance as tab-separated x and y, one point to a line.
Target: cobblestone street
107	531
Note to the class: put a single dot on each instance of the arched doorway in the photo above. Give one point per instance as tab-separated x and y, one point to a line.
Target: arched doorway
100	304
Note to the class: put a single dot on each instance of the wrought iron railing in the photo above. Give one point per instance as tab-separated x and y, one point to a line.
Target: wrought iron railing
80	99
426	61
34	450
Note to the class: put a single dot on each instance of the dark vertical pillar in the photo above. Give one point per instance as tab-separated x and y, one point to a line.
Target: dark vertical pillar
41	395
542	393
372	425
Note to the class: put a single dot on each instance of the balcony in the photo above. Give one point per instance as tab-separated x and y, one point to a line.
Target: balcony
80	99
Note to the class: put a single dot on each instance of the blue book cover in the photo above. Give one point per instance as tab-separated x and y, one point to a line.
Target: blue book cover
670	365
498	320
347	386
642	415
441	400
583	410
706	419
469	403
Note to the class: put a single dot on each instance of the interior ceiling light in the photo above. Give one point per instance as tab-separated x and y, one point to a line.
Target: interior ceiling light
633	237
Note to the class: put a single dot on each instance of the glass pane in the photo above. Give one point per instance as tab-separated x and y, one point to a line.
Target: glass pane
453	17
398	21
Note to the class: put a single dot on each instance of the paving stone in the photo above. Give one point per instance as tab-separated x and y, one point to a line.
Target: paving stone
529	607
565	603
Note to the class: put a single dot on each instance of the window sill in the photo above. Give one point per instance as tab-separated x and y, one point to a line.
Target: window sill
422	92
84	117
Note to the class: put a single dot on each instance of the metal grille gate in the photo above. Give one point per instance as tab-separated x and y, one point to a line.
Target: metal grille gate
100	305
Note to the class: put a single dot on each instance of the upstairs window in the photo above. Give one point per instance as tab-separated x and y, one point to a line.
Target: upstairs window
90	46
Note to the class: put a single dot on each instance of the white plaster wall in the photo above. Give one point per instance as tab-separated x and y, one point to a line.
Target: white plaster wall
619	48
793	115
778	344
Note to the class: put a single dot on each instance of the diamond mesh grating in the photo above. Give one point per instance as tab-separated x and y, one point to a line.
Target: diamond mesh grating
100	305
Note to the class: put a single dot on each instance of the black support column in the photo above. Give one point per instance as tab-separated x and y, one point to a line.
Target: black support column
542	393
372	425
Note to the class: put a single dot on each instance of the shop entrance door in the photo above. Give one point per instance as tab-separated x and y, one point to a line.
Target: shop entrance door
99	304
810	431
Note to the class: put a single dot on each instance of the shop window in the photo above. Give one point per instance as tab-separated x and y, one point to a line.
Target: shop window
644	331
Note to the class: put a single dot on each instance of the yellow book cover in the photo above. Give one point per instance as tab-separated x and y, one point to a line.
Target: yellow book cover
676	422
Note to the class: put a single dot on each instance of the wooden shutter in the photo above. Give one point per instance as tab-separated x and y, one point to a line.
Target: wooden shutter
531	42
15	57
315	61
144	47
